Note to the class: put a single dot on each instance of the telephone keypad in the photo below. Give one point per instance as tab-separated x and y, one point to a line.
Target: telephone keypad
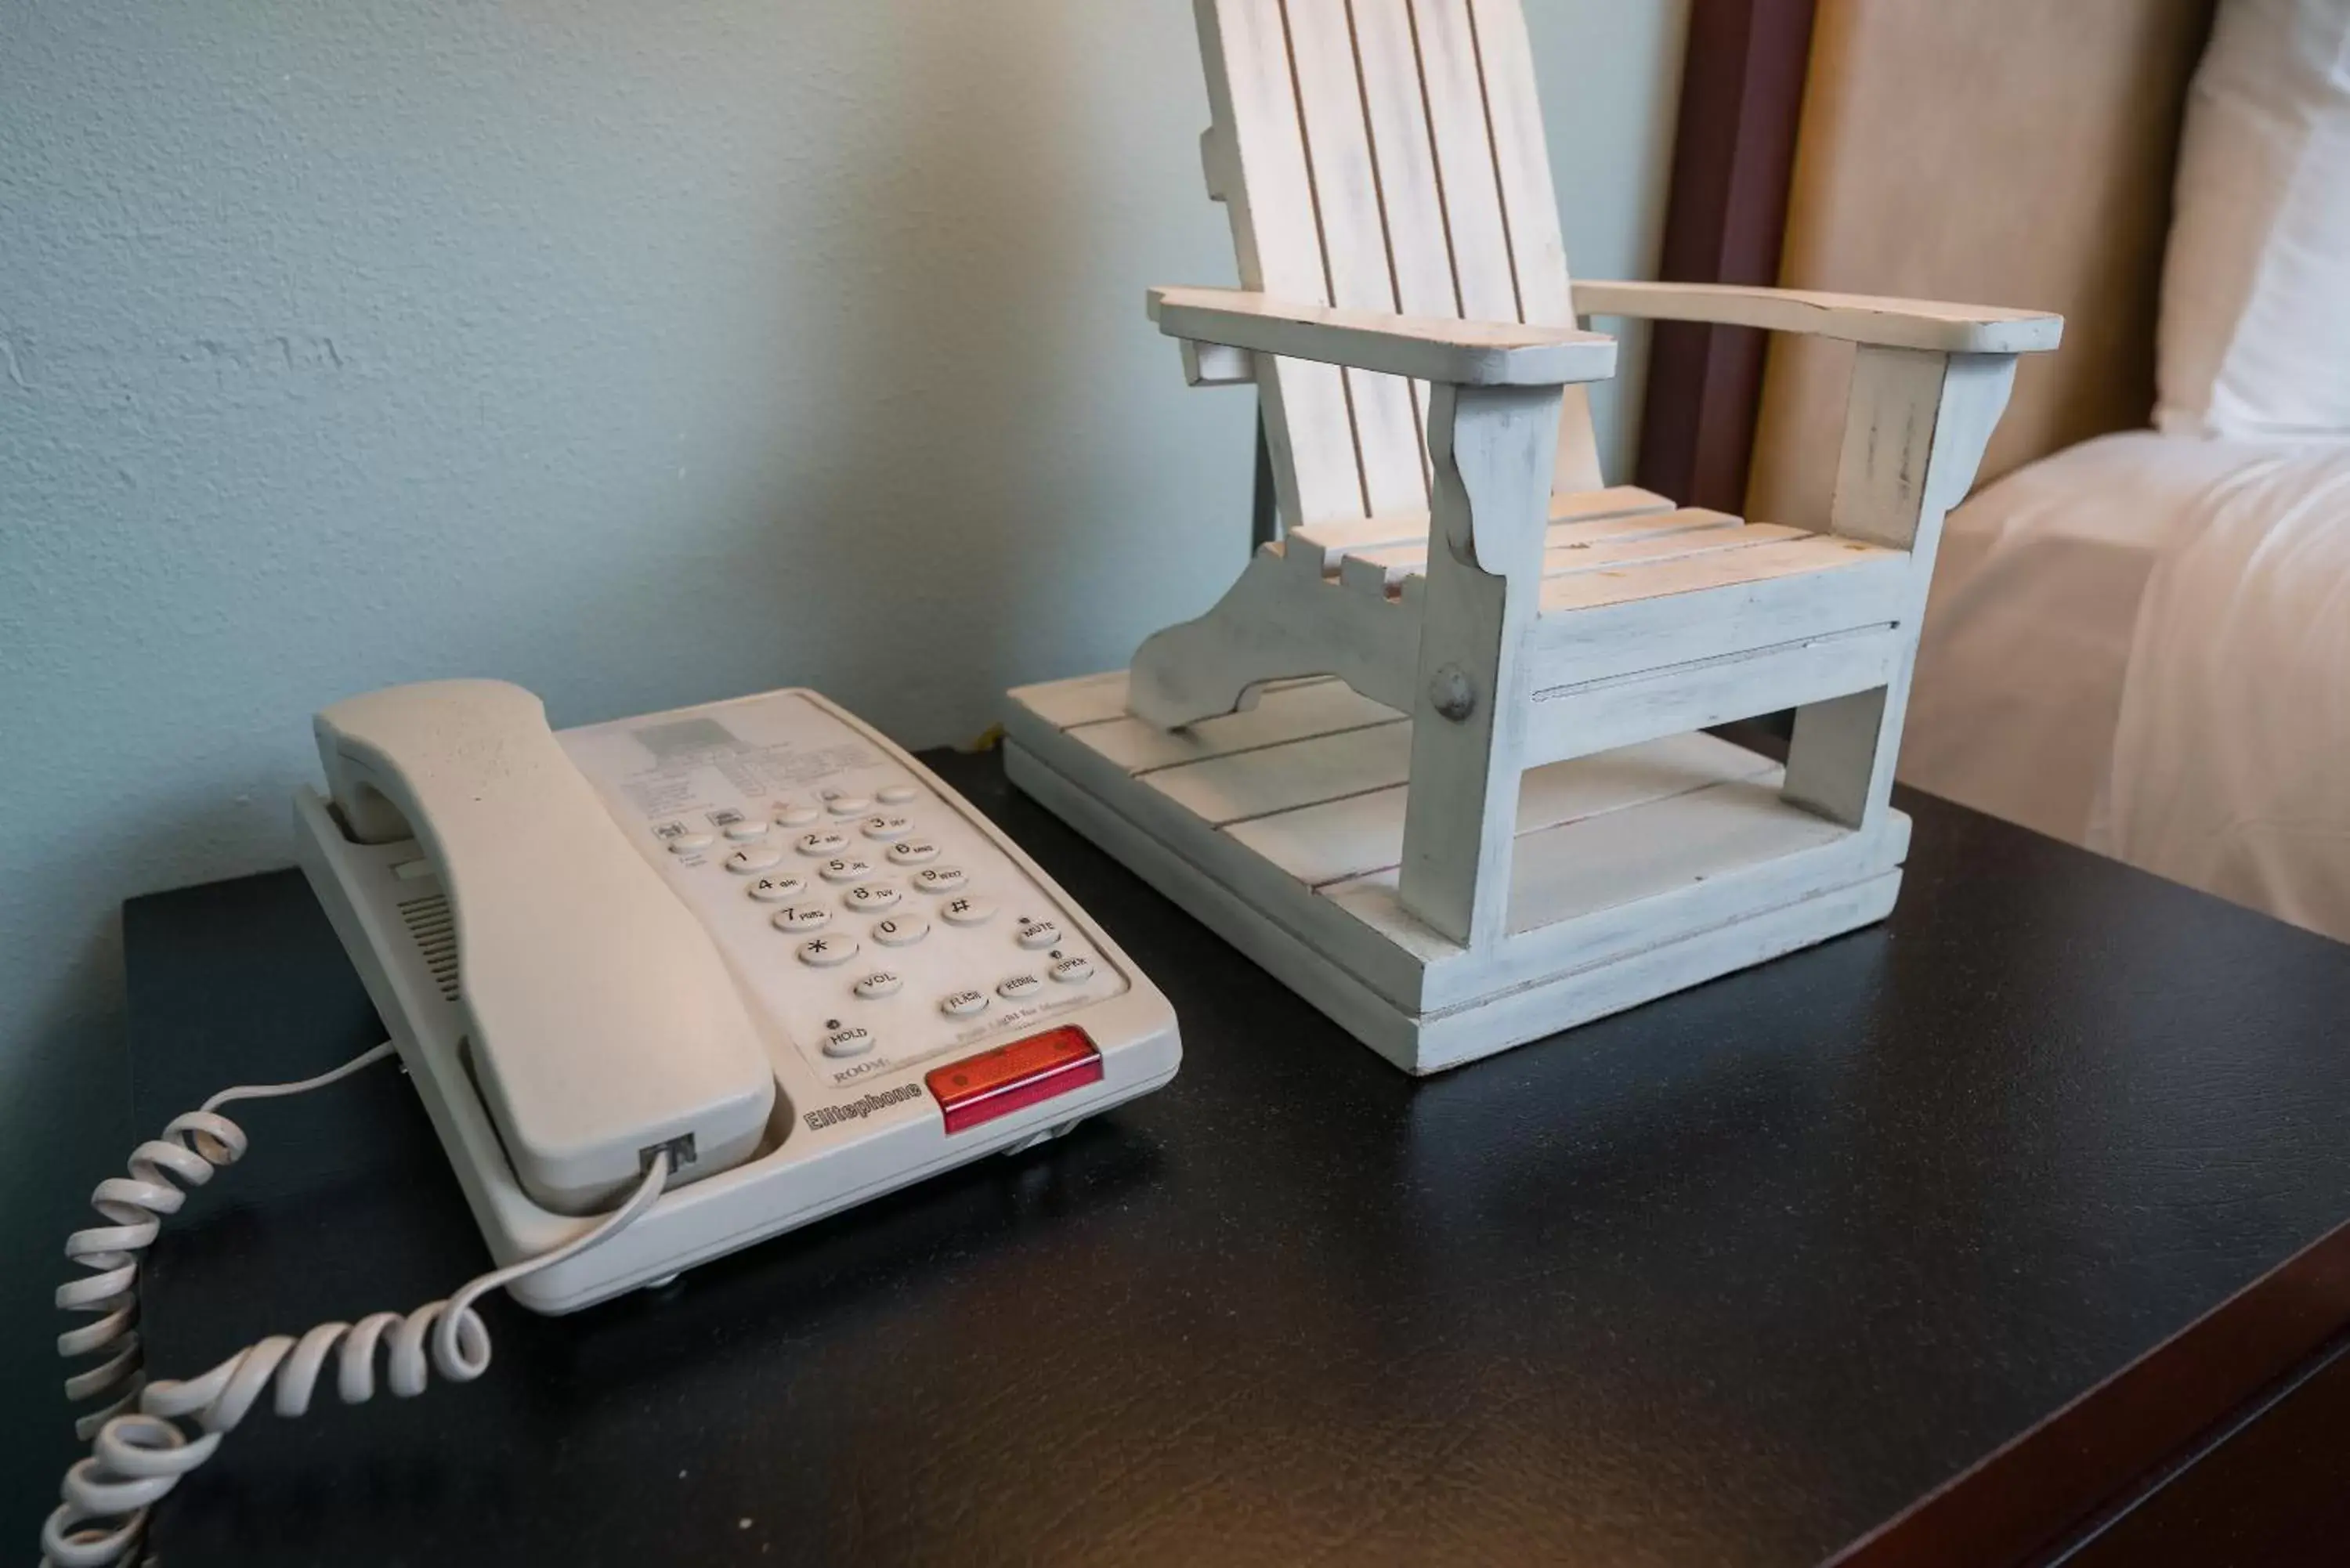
831	840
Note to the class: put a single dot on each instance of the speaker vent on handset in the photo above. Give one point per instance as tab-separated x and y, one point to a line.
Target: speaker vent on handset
429	921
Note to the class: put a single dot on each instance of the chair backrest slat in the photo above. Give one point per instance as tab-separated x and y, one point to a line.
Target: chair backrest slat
1383	155
1389	448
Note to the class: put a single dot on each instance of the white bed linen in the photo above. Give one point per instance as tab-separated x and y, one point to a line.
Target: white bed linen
2142	644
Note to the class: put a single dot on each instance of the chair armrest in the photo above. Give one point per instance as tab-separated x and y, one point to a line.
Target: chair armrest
1458	353
1856	318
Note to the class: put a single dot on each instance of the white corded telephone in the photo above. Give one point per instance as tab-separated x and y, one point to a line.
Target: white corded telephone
729	969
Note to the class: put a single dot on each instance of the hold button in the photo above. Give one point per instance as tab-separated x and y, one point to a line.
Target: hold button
978	1089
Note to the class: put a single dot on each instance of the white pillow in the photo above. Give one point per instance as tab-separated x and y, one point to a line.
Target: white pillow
2254	339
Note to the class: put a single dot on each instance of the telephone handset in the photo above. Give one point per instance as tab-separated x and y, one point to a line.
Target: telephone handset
604	1027
754	935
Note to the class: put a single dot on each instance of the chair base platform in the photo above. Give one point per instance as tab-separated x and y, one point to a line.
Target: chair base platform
1638	872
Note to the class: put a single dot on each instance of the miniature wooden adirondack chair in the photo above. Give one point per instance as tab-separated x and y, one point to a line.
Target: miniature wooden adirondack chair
1453	551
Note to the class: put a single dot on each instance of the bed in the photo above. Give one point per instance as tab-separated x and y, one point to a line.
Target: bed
2139	638
2142	644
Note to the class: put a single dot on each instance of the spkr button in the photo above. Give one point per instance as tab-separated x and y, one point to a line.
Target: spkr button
1074	970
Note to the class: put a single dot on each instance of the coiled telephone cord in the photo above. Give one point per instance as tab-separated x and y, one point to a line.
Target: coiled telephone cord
138	1455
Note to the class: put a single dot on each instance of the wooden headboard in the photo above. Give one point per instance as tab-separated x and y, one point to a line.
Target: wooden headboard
1998	152
2013	153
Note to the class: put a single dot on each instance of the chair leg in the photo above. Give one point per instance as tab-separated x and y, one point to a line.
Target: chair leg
1491	449
1915	427
1840	761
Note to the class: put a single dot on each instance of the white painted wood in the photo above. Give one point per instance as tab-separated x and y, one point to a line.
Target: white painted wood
1387	441
1696	573
1216	365
1331	985
1595	716
1084	699
1370	954
1454	977
1492	451
1856	318
1655	634
1357	835
1667	536
1464	353
1530	210
1612	501
1283	711
1270	625
1914	432
1592	546
1254	784
1420	255
1257	144
1453	93
1543	980
1318	547
1565	998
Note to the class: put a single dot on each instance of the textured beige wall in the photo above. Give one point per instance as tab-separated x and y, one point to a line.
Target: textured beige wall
2000	151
